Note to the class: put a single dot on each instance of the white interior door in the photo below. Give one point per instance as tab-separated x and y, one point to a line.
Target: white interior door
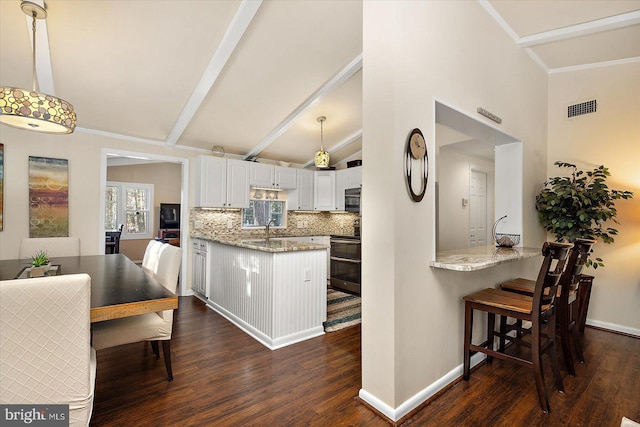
478	209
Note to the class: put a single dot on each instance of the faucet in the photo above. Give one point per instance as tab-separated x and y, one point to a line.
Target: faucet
266	229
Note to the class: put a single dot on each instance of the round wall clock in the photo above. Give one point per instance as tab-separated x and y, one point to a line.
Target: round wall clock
416	150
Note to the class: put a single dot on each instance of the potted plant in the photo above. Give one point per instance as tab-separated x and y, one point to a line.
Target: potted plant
579	206
39	264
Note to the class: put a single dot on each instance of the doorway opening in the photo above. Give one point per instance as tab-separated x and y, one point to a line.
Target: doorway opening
112	157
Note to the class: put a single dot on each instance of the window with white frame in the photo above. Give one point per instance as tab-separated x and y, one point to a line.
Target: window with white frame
264	207
131	204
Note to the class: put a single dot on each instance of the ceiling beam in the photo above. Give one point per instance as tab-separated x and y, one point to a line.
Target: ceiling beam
232	36
586	28
334	83
514	36
340	145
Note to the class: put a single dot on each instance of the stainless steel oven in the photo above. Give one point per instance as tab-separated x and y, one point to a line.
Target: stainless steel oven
345	263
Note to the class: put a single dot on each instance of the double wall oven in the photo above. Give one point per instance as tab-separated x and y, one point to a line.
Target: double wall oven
345	263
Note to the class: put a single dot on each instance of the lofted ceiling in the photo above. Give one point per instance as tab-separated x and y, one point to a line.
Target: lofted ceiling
253	76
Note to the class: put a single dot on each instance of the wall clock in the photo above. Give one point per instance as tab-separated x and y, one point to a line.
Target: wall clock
416	152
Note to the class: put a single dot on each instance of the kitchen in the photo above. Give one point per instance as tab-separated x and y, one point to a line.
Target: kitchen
245	252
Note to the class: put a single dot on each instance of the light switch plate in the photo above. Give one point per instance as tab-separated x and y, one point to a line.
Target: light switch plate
230	224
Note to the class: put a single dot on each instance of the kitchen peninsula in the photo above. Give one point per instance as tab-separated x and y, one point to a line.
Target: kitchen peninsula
275	290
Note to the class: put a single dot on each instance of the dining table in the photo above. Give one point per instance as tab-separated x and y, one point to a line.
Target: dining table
119	287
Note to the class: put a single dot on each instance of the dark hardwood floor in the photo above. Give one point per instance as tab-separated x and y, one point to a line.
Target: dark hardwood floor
223	377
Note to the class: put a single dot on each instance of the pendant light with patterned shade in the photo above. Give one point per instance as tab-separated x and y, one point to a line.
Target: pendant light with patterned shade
321	158
29	109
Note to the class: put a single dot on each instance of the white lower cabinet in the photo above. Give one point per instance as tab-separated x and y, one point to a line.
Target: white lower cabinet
200	267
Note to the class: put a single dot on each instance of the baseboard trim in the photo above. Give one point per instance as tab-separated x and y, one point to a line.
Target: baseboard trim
261	337
415	401
614	327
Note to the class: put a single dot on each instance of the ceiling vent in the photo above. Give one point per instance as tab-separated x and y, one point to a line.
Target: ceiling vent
582	108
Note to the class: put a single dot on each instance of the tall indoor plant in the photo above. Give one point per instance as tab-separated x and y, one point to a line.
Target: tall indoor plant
580	205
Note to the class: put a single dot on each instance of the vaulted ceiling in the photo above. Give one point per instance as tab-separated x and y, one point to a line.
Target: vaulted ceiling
253	76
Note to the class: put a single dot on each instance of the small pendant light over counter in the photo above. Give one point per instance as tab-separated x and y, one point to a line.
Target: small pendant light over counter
29	109
321	158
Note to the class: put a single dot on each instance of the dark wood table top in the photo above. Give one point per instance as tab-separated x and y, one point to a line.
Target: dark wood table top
119	288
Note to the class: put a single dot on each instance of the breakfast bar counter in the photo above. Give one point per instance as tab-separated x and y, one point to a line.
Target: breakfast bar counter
481	257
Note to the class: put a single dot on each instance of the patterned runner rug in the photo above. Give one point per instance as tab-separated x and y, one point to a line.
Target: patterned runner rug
343	310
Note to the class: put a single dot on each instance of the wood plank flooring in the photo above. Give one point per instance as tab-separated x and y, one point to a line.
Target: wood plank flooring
223	377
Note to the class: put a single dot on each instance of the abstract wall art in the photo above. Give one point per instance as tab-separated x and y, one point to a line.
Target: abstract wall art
1	184
48	197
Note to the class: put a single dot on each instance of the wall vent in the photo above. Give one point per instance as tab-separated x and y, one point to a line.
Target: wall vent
582	108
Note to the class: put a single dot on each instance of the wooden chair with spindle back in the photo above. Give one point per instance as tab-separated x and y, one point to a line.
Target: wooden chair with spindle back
566	302
538	309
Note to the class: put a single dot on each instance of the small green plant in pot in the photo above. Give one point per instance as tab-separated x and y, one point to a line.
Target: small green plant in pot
579	205
39	263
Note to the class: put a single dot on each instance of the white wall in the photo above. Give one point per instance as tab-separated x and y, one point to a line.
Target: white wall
609	137
84	154
454	175
414	53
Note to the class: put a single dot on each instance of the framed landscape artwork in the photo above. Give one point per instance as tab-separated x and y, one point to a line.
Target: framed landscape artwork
48	197
1	184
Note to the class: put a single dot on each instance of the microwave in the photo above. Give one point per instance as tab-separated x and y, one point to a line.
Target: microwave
352	199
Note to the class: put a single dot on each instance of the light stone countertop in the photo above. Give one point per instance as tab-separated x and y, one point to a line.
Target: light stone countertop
274	244
481	257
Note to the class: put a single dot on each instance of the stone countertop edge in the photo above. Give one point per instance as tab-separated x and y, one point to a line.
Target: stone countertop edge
259	244
479	258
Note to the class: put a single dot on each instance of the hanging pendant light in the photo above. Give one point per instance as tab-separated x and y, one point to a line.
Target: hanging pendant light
321	158
29	109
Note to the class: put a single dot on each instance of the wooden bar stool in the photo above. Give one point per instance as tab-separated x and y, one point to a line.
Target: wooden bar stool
568	327
539	309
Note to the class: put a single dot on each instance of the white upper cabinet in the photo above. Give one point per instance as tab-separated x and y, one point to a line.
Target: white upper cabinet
285	178
270	176
221	183
210	182
262	175
347	178
324	190
237	183
302	197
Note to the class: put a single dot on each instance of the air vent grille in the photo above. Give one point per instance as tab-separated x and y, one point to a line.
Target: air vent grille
582	108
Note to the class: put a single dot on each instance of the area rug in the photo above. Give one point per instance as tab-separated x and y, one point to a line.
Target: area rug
343	310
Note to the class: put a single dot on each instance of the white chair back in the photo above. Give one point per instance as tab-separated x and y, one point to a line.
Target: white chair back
54	246
46	352
151	254
168	267
168	270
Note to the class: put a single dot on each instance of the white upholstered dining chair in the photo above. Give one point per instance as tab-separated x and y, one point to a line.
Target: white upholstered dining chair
151	254
54	246
151	327
45	351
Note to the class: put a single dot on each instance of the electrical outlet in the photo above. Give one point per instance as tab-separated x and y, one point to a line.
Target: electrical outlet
306	224
230	224
300	224
307	275
197	225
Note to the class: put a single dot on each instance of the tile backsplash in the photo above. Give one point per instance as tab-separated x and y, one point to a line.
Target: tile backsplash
215	223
